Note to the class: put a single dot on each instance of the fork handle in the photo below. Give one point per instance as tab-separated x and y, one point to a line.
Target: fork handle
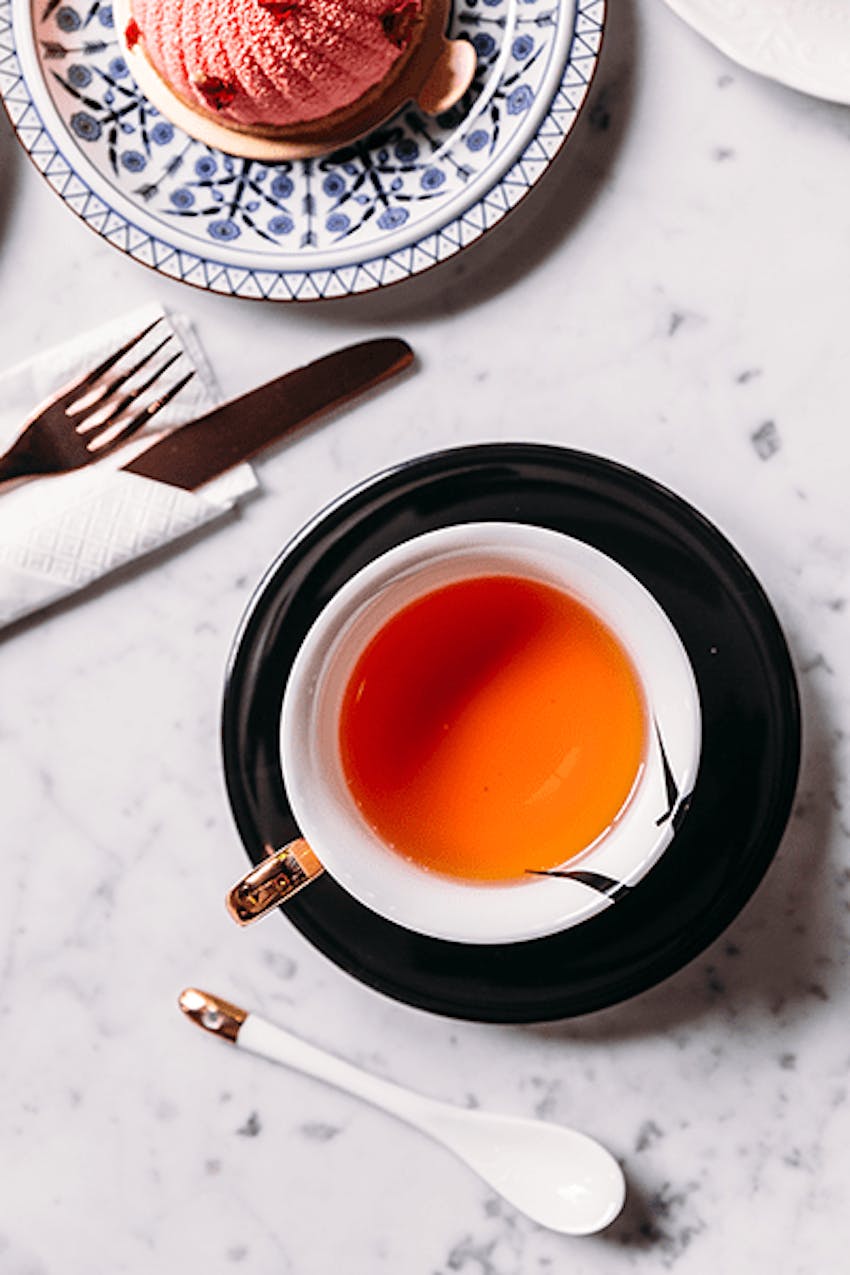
18	463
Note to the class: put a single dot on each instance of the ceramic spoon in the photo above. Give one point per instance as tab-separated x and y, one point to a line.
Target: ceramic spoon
559	1178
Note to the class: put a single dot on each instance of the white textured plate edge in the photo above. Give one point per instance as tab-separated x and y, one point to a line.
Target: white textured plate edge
800	45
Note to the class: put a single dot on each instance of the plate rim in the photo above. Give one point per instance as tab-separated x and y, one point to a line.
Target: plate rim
202	269
721	34
723	909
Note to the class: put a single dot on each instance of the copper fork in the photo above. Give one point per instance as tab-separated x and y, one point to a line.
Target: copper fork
86	419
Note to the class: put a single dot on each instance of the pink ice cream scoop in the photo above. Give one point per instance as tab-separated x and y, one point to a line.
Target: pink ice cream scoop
273	63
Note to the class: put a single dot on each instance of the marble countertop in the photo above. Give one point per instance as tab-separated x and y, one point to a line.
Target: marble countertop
673	295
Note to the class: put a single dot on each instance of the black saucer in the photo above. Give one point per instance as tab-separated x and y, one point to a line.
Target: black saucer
751	724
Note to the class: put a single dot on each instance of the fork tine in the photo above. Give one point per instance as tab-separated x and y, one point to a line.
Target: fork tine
141	418
126	399
90	407
72	392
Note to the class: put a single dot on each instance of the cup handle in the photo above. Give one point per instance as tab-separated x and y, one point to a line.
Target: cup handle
272	882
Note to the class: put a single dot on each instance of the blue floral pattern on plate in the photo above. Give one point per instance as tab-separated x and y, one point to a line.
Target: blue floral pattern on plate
413	193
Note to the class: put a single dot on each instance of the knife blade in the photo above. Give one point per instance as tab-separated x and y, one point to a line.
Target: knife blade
194	453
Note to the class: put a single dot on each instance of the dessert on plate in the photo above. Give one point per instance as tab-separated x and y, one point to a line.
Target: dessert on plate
292	78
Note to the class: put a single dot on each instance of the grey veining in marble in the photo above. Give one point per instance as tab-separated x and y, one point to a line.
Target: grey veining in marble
674	296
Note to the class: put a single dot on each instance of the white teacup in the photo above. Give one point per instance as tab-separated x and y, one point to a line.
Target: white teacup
336	837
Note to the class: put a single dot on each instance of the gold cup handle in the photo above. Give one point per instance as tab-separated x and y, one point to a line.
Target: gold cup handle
278	878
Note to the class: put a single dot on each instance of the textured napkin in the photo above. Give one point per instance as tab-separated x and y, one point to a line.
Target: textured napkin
63	532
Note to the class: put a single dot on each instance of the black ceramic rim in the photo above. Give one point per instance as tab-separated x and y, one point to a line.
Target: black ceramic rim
751	729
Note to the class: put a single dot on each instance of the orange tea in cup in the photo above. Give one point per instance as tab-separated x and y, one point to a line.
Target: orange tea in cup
494	726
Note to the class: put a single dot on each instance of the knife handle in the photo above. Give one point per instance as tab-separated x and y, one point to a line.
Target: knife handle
193	454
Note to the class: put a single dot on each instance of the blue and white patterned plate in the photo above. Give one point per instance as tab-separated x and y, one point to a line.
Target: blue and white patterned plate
414	193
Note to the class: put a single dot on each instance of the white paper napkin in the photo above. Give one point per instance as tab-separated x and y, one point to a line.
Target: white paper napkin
59	534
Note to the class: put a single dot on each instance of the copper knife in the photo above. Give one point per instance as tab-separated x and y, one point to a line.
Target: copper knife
193	454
